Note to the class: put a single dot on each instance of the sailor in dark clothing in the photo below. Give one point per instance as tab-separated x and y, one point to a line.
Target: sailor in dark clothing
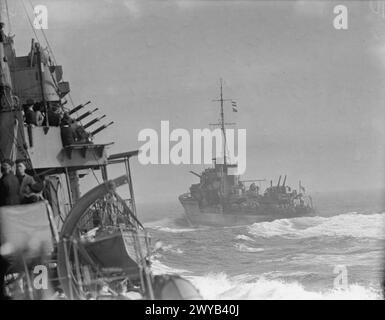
26	183
30	115
54	116
9	185
9	195
67	133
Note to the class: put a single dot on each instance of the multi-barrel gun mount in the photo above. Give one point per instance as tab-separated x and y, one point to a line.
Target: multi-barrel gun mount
92	122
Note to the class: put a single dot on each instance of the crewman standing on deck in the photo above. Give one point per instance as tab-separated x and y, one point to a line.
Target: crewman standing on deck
26	182
9	185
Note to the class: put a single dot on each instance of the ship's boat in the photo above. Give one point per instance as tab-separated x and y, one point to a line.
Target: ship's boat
223	198
61	244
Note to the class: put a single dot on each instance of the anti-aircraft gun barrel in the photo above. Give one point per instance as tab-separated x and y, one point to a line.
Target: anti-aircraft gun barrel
80	106
284	181
196	174
279	181
101	128
84	115
89	124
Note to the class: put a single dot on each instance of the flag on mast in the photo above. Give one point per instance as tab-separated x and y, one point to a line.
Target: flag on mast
234	106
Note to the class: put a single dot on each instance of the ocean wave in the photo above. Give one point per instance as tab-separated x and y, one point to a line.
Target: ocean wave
283	274
174	230
244	248
167	225
221	287
348	225
159	248
369	258
172	249
244	237
159	223
159	268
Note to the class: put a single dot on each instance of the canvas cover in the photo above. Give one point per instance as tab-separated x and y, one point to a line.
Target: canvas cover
27	229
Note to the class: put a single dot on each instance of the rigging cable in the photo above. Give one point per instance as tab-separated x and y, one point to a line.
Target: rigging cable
51	51
44	35
29	20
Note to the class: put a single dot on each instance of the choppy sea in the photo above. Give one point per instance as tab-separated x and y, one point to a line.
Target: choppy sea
338	254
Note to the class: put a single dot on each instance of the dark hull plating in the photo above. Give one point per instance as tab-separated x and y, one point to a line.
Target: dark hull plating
237	215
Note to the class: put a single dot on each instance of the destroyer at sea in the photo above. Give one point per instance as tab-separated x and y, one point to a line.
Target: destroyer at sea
224	199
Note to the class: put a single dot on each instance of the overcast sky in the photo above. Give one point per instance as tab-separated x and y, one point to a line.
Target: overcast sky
310	97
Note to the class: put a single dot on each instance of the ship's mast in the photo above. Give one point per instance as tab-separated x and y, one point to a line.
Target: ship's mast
4	4
222	123
1	10
223	126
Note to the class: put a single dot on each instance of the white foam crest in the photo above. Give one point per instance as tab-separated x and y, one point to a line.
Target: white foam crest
171	248
159	223
167	225
174	230
348	224
283	274
220	286
244	248
244	237
164	222
159	268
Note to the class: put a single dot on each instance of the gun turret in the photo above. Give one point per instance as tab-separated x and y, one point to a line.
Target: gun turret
89	124
196	174
80	106
279	181
84	115
101	128
284	181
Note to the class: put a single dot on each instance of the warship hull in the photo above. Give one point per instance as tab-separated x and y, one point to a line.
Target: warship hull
236	216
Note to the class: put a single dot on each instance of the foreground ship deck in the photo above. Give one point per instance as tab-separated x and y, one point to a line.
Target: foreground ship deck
91	246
